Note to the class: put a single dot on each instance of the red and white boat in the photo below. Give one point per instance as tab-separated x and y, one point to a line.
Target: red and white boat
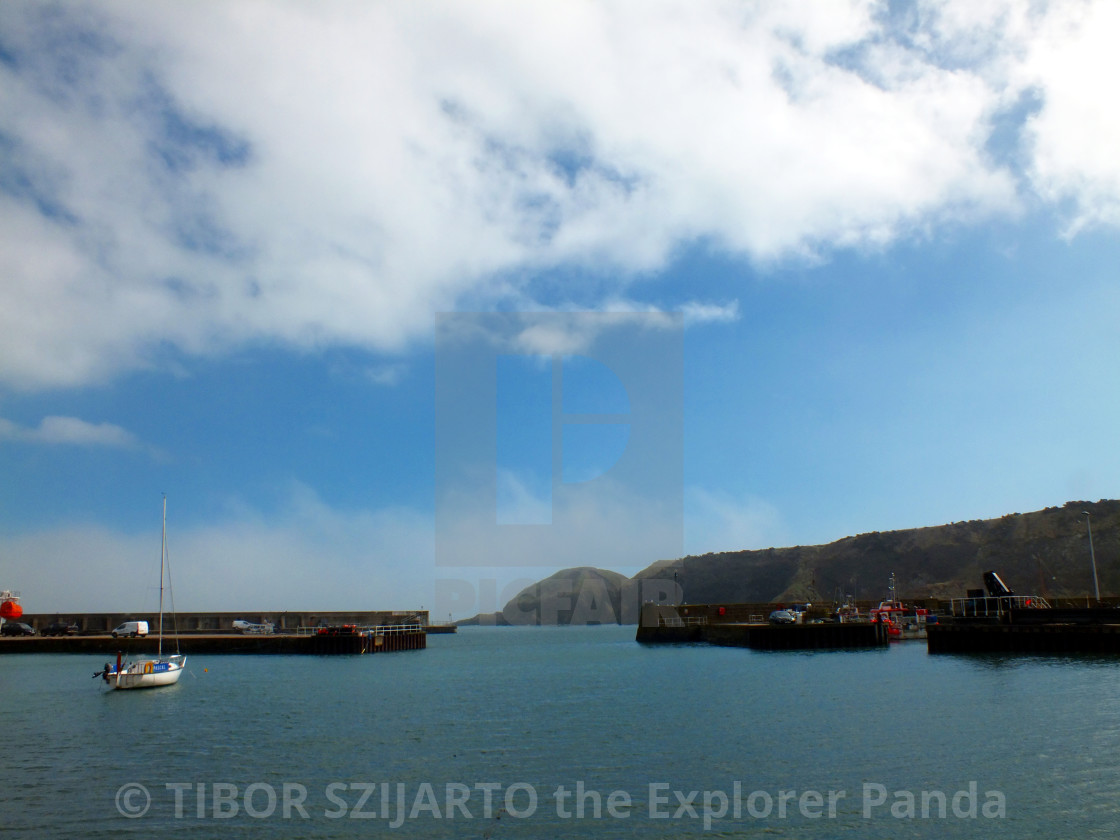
902	622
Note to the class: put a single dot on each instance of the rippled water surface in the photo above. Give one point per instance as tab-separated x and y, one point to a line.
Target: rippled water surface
576	732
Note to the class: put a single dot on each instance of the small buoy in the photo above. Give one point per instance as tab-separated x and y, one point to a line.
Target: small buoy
204	670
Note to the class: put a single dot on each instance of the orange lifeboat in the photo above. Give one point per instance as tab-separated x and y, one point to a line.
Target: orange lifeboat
10	610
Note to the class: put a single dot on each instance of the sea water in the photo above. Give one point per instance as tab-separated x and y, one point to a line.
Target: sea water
573	732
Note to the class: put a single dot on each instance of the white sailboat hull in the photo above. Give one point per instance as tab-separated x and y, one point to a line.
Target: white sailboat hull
148	673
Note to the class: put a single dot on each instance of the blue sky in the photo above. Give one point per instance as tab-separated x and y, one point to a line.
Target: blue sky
886	233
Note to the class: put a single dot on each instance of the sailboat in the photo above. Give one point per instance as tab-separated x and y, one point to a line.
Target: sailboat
150	673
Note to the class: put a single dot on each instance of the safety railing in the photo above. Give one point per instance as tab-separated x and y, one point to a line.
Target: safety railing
990	607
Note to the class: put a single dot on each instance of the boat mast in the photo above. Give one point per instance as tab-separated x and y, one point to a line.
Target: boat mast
162	560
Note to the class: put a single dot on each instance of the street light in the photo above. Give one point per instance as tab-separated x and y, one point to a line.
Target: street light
1092	559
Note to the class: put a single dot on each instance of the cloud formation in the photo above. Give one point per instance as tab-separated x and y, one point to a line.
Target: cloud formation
308	555
331	559
720	521
185	179
70	431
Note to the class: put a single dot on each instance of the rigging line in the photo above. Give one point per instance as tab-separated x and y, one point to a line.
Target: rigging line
171	597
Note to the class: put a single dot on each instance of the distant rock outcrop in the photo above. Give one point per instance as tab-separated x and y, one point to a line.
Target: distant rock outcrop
1045	552
582	595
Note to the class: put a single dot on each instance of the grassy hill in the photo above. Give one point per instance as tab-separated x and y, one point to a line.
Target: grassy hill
1045	552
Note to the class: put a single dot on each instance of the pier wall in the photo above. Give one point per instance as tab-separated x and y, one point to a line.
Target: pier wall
1023	638
222	622
715	624
383	640
799	636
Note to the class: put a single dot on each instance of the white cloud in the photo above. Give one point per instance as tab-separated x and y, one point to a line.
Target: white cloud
719	521
516	503
1073	61
387	375
543	331
307	556
71	431
202	176
702	313
576	332
603	523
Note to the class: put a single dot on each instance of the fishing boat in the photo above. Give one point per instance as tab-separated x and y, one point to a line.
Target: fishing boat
150	673
902	622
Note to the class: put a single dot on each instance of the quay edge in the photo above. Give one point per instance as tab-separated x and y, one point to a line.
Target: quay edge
371	631
664	624
396	638
1000	621
93	623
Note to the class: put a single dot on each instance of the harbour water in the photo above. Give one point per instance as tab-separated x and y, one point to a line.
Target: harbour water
575	732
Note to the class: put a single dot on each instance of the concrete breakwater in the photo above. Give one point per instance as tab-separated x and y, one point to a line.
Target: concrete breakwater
799	636
662	624
1034	637
370	631
383	639
94	623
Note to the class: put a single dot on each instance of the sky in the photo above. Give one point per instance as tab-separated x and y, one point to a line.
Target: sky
677	278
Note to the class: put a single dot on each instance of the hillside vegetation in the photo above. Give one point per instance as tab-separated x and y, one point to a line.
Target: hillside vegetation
1045	552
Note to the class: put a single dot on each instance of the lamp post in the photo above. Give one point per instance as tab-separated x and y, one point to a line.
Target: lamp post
1092	558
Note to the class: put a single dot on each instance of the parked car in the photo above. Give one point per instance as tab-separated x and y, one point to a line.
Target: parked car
783	617
17	628
60	628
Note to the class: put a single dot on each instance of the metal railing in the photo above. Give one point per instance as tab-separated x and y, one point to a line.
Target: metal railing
995	607
677	621
361	630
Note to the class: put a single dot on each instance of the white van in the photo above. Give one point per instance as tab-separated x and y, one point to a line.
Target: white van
132	628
